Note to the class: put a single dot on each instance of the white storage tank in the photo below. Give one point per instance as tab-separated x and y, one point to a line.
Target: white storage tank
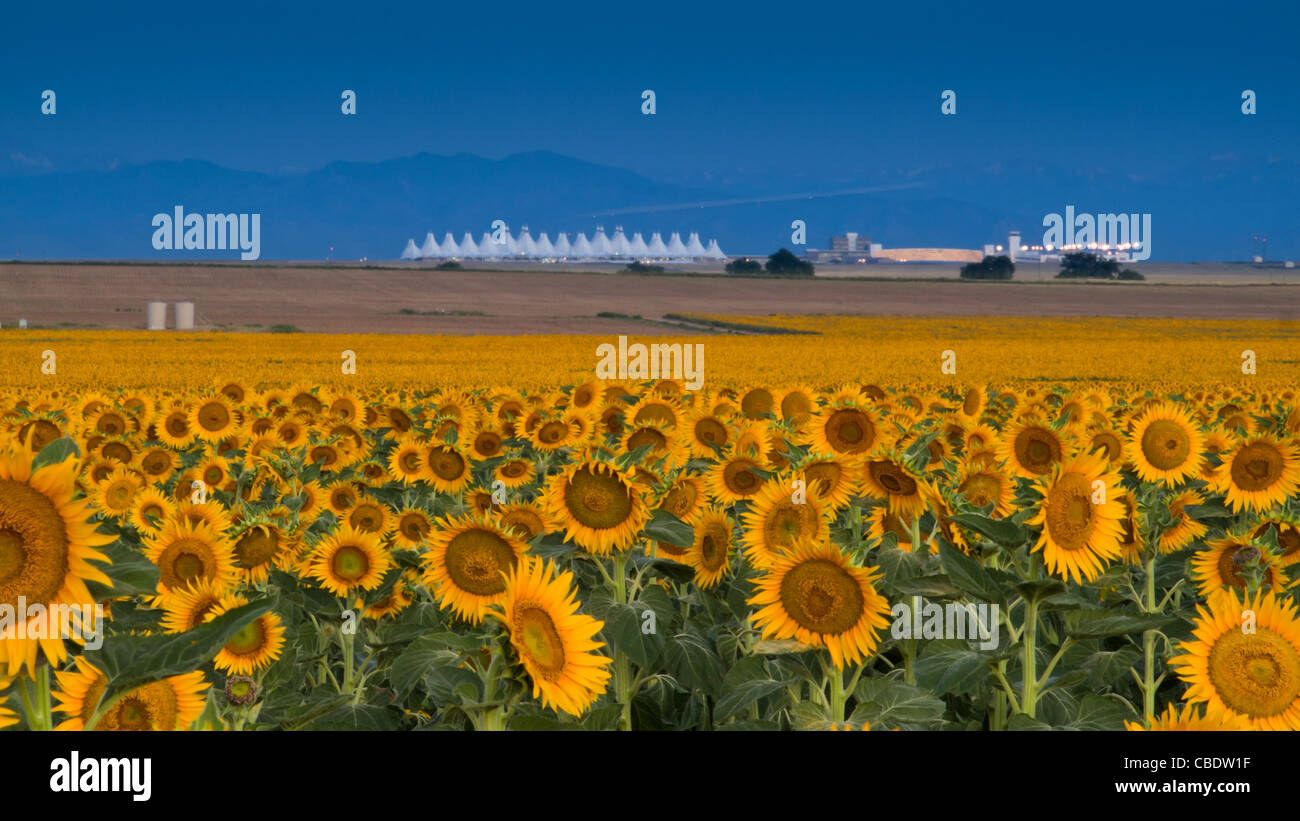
157	316
184	316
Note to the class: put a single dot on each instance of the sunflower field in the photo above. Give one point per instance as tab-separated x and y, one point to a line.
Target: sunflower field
762	554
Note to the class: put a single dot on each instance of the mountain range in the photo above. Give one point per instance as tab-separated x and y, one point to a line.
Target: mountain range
1208	212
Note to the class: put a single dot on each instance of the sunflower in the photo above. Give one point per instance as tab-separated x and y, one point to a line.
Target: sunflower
1080	534
831	479
1185	529
987	486
882	520
1166	444
47	543
796	405
157	463
1258	473
1287	530
1222	563
1031	448
349	560
1190	718
185	608
395	602
186	552
554	642
601	509
1108	442
844	430
733	479
253	648
467	564
526	521
173	428
887	476
515	472
446	468
412	527
170	704
115	496
710	553
213	419
260	546
775	522
406	462
663	446
1254	675
973	402
341	498
815	595
684	498
550	435
370	516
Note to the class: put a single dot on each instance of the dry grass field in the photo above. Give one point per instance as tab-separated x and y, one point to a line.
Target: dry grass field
328	299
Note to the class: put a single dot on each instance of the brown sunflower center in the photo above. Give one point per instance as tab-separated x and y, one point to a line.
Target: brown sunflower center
350	563
552	432
476	559
514	469
256	547
249	640
1229	570
892	478
711	431
33	545
1257	466
739	477
788	522
850	431
367	516
820	596
981	489
1165	444
539	637
1036	449
446	463
414	526
1256	674
213	416
597	499
713	549
1070	515
680	501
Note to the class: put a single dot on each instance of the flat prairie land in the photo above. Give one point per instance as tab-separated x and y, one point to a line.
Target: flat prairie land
597	300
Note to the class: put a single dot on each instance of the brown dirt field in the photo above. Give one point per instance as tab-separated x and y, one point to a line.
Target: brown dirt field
357	300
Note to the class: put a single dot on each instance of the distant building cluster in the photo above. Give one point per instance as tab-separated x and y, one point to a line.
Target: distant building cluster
1020	251
858	249
504	245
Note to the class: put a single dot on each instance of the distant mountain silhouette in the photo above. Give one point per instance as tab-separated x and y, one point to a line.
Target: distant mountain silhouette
371	209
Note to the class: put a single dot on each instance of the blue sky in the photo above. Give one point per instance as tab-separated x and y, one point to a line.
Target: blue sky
777	95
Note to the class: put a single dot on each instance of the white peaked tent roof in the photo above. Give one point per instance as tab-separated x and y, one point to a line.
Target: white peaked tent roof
411	252
637	247
713	251
544	247
582	248
657	249
619	243
600	244
527	245
675	247
511	247
487	248
430	248
467	247
693	246
562	245
449	247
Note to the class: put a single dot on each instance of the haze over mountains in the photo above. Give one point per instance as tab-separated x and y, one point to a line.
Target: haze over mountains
1207	212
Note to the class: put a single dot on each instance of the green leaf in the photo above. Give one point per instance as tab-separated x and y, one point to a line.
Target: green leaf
1097	624
1020	721
952	671
356	717
969	575
667	528
134	661
745	683
694	663
936	586
623	630
1001	531
56	453
888	703
417	659
1109	667
1101	713
132	574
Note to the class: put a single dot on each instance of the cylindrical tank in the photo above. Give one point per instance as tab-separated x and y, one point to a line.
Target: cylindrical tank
184	316
157	316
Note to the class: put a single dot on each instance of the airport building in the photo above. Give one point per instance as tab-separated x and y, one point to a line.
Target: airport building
600	247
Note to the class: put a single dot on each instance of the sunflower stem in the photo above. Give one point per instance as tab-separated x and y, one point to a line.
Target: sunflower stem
1029	673
43	696
1149	683
622	671
838	694
346	640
